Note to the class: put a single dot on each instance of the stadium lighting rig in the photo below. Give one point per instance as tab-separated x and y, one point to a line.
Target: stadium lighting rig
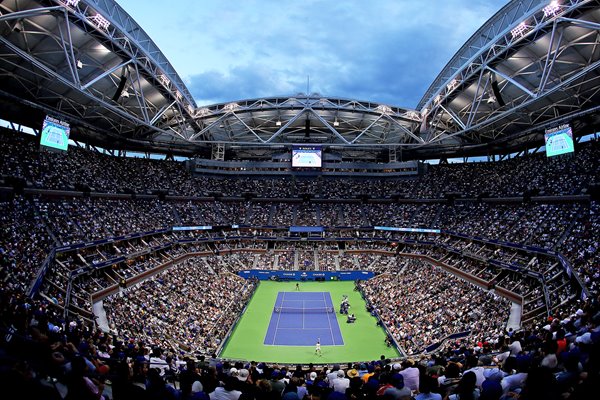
164	80
519	30
100	22
230	107
552	9
383	109
452	85
202	112
71	3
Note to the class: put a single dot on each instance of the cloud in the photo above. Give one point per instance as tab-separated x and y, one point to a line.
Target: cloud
238	83
381	51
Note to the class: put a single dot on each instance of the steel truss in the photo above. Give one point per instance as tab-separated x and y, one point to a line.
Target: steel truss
531	65
283	121
544	66
60	55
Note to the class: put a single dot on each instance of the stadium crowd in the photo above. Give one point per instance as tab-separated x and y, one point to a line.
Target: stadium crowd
158	323
414	304
184	307
555	361
106	174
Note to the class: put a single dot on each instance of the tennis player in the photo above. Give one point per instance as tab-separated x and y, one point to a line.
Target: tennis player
318	348
297	286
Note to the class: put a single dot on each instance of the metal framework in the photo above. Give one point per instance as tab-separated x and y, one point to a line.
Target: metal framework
89	62
534	64
274	123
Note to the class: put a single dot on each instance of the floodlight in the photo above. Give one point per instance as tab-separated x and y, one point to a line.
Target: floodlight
203	112
383	109
163	79
231	107
452	85
79	64
336	123
100	22
552	9
519	30
278	123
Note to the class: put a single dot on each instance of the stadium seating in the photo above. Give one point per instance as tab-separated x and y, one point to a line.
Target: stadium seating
72	219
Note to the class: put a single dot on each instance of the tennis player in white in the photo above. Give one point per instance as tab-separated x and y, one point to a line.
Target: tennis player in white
318	348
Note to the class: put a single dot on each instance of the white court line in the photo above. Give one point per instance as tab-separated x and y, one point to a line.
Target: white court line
329	321
278	317
303	345
277	328
306	329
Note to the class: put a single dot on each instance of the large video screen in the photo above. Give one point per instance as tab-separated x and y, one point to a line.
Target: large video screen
559	141
306	157
55	134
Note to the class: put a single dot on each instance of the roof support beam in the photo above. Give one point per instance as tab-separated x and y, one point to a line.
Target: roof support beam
527	103
161	112
477	97
550	63
53	75
209	126
105	74
29	13
67	46
331	128
511	80
405	129
580	22
367	128
285	126
453	116
139	94
247	127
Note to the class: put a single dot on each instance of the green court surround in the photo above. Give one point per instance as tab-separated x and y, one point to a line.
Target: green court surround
364	340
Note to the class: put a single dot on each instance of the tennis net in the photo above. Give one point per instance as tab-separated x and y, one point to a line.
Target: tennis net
302	310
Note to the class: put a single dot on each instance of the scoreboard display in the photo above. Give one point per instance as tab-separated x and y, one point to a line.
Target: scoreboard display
306	157
55	134
559	141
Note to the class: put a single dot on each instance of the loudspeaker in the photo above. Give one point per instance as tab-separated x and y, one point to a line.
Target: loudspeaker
497	94
120	88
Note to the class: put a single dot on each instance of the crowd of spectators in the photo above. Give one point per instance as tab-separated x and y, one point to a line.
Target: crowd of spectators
514	177
34	224
185	307
24	244
414	303
555	361
55	222
328	260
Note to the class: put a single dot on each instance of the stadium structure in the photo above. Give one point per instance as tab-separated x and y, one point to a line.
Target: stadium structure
112	262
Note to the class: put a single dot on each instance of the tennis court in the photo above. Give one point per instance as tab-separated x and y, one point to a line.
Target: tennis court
363	340
302	318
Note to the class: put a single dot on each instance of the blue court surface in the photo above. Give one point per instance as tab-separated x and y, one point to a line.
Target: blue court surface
300	318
